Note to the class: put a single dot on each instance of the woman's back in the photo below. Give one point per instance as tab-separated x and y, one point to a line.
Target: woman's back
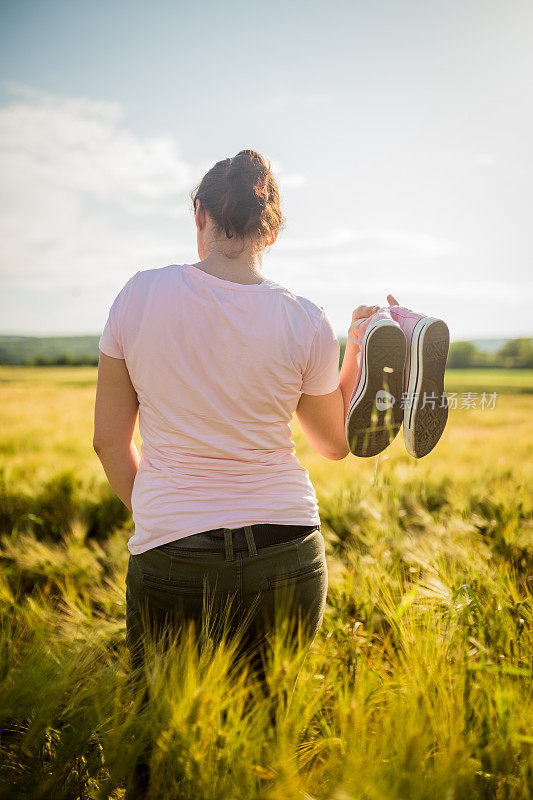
219	368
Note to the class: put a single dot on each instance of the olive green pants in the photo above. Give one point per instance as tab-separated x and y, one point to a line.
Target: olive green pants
250	587
223	582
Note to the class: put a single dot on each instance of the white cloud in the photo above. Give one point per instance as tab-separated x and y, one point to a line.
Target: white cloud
85	200
372	244
289	180
484	159
292	180
79	144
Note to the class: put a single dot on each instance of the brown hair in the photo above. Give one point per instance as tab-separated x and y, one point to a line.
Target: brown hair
241	195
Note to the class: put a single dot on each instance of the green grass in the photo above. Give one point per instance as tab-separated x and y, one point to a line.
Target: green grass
418	685
489	380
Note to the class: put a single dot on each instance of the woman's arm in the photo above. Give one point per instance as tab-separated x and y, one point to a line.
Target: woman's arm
323	417
115	414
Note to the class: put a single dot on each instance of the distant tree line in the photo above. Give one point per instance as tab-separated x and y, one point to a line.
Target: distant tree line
83	351
33	351
71	360
513	354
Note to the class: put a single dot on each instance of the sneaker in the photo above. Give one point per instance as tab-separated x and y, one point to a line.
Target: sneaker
426	404
375	413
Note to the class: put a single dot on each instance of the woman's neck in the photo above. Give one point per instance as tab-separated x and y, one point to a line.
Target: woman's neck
238	270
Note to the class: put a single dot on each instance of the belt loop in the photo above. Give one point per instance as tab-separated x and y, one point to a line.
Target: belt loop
228	544
250	541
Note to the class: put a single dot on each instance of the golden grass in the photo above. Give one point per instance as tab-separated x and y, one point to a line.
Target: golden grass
418	685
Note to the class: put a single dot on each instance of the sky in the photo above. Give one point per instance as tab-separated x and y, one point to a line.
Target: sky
400	134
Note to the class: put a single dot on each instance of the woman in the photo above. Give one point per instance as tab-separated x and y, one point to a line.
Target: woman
216	357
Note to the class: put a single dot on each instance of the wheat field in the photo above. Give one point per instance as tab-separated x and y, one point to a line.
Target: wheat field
418	685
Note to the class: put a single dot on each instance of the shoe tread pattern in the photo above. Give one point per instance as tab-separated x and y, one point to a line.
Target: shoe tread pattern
369	430
428	423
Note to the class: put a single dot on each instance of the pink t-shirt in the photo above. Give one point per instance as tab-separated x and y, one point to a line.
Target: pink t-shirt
218	368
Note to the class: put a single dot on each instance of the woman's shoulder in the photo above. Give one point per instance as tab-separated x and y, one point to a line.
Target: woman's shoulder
298	304
155	273
151	277
305	306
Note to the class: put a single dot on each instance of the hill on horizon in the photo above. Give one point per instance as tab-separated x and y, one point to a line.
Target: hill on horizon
20	349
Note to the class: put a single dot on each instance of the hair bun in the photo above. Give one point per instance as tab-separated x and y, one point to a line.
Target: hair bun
241	195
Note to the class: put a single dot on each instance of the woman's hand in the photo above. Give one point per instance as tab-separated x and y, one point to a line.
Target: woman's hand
391	301
361	312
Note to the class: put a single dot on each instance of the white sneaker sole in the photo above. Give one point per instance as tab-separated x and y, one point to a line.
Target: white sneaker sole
423	425
370	429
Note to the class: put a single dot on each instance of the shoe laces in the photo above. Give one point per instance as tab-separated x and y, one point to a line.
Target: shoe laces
352	328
